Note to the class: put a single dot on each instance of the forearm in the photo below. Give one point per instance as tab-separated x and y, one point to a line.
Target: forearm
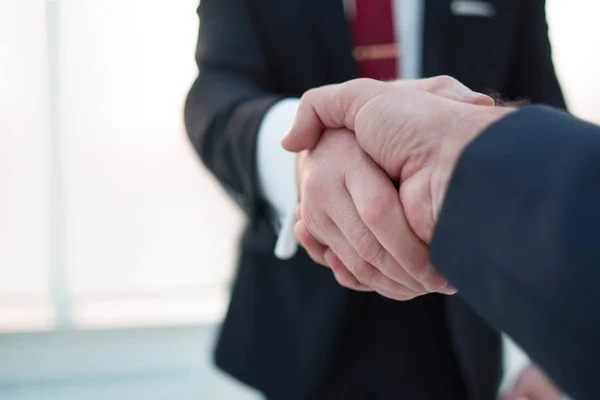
518	237
229	99
223	115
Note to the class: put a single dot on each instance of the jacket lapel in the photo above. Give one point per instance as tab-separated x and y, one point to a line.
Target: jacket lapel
436	25
331	35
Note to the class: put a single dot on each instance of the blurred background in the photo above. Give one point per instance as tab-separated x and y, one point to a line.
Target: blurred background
116	247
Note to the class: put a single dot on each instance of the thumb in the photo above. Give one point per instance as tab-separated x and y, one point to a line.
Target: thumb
329	107
470	97
304	133
308	124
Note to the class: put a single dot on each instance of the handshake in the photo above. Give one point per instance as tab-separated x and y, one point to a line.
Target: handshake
390	174
374	161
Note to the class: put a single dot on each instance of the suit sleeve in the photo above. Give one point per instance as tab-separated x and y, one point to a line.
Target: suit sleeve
519	236
533	76
227	101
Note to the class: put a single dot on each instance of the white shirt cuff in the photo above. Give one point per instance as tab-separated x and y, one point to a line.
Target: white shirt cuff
515	361
277	173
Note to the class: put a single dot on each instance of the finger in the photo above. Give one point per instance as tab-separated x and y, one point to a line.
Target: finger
336	106
534	385
298	212
346	217
315	250
346	279
342	274
378	205
364	272
534	393
469	97
333	106
453	89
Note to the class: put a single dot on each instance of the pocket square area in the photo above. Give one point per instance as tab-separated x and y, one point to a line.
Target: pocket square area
472	8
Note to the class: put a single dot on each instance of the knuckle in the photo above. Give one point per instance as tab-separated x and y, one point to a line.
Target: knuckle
376	210
364	272
343	276
438	84
369	248
353	88
318	225
313	254
314	190
445	81
359	83
344	281
309	219
308	95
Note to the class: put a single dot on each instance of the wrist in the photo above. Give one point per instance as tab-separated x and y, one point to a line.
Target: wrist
486	117
472	122
463	129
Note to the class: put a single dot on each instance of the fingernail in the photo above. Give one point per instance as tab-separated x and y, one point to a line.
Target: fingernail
478	98
449	289
432	280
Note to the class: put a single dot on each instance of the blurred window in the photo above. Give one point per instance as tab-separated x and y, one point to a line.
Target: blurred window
107	217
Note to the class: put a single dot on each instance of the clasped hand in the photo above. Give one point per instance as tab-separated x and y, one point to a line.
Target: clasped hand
353	141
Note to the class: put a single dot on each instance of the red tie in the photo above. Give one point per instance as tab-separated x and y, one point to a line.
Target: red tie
375	48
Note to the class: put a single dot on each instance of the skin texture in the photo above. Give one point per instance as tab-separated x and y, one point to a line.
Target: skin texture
352	218
337	181
344	193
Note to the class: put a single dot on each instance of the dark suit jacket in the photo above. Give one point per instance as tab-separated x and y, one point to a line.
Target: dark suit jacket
519	235
285	317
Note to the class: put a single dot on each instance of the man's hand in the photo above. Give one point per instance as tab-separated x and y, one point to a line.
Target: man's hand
412	132
340	187
533	385
415	131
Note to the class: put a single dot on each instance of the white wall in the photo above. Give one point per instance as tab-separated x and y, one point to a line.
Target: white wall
139	204
104	203
23	145
575	36
142	218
